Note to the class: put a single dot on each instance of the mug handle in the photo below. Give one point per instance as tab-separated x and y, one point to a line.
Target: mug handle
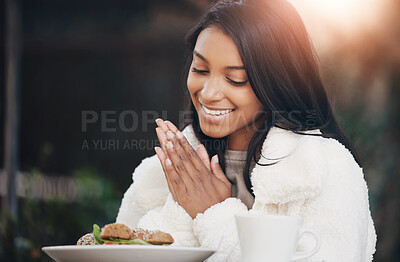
313	251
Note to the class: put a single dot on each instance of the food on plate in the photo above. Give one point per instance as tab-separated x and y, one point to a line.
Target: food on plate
116	231
153	237
118	234
86	240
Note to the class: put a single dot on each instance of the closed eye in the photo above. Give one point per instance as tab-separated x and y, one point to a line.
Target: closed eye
199	71
237	83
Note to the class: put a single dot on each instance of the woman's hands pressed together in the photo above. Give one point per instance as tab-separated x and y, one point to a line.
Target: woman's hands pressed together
194	182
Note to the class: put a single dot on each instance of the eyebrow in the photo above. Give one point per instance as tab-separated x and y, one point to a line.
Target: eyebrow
205	60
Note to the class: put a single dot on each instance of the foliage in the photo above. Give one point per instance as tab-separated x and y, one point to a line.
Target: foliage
58	222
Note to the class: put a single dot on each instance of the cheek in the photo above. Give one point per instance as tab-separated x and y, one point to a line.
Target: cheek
193	83
246	99
194	86
249	104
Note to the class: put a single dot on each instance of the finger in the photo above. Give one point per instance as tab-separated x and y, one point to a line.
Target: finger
162	124
160	154
176	180
171	126
202	153
182	157
169	153
163	140
162	158
181	163
191	152
179	134
218	172
162	130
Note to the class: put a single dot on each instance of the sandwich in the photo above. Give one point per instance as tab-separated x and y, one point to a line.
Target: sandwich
120	234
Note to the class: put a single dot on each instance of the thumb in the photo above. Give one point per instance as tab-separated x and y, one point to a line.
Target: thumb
217	171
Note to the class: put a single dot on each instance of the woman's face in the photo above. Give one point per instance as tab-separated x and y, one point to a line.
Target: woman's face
220	90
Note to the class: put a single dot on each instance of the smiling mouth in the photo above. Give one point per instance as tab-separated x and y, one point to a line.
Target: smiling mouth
217	112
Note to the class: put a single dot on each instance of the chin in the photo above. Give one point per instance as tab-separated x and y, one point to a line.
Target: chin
213	131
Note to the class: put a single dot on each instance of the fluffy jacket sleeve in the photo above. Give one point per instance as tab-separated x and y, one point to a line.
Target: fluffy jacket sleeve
316	178
148	191
339	210
310	176
148	204
171	218
216	229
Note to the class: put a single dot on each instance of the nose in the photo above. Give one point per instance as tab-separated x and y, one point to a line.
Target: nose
212	90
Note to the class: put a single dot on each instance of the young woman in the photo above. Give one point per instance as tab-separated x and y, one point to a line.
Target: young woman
262	138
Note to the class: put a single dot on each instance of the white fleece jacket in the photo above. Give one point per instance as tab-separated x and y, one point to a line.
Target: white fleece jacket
317	178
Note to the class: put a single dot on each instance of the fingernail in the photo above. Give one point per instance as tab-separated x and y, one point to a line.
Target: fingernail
170	145
170	135
179	134
168	162
216	159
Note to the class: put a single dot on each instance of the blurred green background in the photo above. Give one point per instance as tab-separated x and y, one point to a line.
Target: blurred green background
113	58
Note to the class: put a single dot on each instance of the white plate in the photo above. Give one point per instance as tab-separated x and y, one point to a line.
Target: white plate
127	253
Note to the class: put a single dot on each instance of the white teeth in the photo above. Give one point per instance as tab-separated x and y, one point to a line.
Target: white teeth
217	112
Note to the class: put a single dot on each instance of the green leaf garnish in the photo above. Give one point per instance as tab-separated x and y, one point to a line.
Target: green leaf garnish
96	234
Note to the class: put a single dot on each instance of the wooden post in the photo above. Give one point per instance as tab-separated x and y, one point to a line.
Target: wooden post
12	75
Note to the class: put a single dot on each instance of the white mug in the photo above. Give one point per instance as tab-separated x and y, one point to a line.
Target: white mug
271	238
